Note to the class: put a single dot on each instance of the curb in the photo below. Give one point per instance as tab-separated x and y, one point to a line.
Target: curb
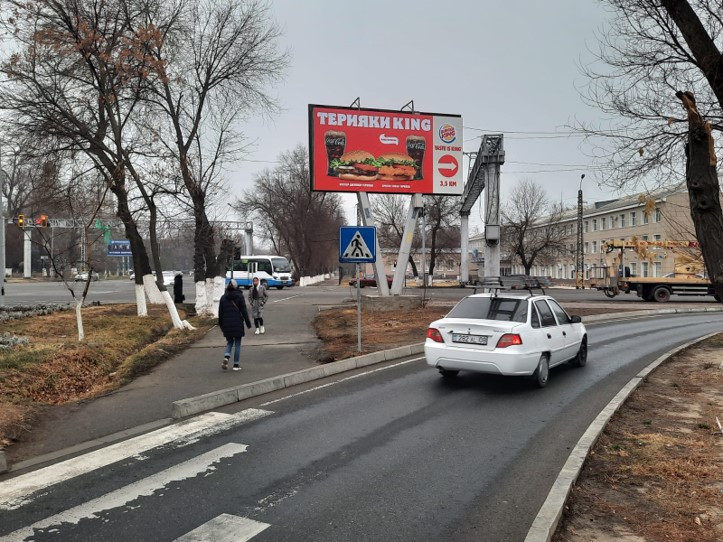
209	401
545	523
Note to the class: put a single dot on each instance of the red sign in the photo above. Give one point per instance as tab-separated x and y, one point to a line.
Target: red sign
447	165
376	150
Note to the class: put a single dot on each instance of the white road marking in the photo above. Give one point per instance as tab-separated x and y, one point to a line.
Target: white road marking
17	491
285	298
340	381
202	464
225	528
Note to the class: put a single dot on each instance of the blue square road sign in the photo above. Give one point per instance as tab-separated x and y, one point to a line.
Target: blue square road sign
357	244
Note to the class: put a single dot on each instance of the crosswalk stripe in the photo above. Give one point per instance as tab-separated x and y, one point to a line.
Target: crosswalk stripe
18	491
203	463
225	528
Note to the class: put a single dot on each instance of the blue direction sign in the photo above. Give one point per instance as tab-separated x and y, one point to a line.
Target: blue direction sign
119	248
357	244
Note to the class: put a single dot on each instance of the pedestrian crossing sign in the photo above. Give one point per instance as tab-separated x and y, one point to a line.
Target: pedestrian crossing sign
357	244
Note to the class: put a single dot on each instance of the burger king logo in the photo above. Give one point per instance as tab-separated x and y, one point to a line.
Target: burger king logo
447	133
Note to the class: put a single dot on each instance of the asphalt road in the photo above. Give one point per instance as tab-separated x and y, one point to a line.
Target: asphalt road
122	291
390	453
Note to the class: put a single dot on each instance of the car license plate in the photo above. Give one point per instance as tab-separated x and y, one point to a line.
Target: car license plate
469	339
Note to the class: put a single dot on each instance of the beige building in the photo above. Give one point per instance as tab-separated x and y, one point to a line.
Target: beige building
660	216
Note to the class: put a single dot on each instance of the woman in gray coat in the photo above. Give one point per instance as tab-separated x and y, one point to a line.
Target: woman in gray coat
257	300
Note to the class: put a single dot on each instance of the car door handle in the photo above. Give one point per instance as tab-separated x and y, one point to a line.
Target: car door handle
564	333
549	336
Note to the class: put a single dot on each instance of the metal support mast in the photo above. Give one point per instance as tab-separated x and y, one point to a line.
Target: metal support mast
485	172
579	255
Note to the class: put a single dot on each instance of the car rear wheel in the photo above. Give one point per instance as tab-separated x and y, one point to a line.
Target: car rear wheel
448	373
542	373
581	358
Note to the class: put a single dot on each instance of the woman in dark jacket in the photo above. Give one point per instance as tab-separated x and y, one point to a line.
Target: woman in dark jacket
232	314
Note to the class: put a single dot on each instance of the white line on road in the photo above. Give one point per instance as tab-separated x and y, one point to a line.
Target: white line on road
17	491
201	464
225	528
285	298
340	381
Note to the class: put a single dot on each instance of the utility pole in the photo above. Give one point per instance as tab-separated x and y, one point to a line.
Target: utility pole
579	255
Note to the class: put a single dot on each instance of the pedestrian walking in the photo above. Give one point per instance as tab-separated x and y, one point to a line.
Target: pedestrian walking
257	300
178	296
232	314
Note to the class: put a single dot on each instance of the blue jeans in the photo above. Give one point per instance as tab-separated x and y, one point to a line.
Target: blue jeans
234	342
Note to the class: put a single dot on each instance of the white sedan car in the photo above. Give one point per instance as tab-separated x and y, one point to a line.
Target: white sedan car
507	334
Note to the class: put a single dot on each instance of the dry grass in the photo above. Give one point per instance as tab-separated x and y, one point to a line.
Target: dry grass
655	472
55	368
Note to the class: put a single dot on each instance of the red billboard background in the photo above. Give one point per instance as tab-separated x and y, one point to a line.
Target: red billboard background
401	146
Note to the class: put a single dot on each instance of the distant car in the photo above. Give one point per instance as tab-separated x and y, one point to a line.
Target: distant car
169	277
507	334
369	280
83	277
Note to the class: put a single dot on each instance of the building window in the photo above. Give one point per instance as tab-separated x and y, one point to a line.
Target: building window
658	214
585	248
603	223
594	224
657	269
594	247
587	226
646	218
633	219
622	221
645	237
633	268
645	266
657	237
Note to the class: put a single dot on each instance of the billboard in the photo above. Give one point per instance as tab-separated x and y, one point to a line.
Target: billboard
377	150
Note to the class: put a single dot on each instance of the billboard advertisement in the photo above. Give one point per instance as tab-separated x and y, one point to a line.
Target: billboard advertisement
377	150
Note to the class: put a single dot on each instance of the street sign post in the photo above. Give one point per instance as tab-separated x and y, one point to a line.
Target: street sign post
358	244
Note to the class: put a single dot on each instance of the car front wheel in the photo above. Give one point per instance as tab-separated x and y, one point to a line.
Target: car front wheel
581	359
542	373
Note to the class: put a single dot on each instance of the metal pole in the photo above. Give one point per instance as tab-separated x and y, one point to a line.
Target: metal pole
424	248
579	254
358	310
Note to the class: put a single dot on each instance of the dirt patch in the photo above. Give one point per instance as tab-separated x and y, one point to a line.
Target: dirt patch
655	472
54	368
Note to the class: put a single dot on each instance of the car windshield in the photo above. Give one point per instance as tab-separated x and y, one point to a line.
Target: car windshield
281	265
491	308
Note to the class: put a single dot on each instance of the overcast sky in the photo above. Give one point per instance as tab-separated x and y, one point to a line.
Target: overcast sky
506	66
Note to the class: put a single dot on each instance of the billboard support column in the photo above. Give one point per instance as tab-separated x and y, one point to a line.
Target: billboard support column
464	245
405	247
368	220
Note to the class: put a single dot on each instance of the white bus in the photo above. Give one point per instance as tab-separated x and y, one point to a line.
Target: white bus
272	271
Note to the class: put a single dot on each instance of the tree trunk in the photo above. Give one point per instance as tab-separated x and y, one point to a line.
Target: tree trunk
704	192
415	273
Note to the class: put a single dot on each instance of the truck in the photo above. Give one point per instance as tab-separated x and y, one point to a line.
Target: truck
688	278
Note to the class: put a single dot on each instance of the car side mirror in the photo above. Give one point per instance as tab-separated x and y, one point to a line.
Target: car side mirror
575	319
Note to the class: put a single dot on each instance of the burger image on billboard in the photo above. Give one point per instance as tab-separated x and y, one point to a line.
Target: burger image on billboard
356	166
396	167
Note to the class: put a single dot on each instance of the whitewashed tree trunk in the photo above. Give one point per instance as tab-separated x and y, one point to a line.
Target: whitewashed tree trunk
208	294
79	320
141	300
173	311
152	291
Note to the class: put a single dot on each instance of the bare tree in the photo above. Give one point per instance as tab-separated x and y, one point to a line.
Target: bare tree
442	218
531	225
390	212
213	63
655	50
294	219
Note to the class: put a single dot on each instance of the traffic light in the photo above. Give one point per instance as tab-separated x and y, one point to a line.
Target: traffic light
21	221
44	221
